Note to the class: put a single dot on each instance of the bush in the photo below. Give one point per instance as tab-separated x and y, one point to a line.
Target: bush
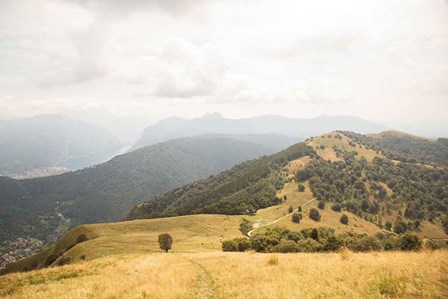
302	175
238	244
229	245
409	242
365	243
388	225
344	219
245	227
333	243
301	188
309	245
321	205
314	214
400	227
285	246
336	207
296	217
165	242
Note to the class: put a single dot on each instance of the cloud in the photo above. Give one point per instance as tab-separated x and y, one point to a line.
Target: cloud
297	58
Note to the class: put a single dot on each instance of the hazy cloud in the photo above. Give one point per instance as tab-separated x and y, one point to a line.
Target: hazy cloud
383	60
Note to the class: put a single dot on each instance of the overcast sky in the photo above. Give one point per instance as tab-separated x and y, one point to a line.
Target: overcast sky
383	60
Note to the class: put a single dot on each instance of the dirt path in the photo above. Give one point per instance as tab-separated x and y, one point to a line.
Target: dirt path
204	282
257	225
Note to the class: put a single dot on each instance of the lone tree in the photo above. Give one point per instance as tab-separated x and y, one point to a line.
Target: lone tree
344	219
165	242
314	214
290	209
296	217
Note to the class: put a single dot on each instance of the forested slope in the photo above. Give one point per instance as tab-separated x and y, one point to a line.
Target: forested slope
45	207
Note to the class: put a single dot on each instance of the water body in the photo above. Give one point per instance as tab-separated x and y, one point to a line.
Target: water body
92	159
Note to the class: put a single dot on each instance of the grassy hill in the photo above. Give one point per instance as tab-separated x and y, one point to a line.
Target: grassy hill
239	275
45	207
195	233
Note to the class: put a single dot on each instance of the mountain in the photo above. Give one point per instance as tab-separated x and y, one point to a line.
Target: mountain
176	127
49	140
336	174
45	207
349	171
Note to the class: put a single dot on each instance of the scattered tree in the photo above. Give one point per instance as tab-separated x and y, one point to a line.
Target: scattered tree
301	188
245	226
344	219
314	214
296	217
321	205
290	209
165	242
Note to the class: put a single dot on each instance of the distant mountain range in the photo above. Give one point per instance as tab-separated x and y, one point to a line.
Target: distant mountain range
176	127
50	140
45	207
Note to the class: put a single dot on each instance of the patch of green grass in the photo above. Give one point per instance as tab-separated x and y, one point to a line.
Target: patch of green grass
388	286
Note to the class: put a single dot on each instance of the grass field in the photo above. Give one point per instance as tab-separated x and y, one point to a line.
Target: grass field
194	233
240	275
329	154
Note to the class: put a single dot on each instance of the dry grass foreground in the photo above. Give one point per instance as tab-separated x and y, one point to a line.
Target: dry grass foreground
240	275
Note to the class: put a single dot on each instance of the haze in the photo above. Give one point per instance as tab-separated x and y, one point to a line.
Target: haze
127	64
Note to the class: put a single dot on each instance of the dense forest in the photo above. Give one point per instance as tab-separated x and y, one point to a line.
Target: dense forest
420	192
46	207
403	147
243	189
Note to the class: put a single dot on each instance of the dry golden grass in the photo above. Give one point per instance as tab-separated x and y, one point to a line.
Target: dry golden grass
240	275
329	154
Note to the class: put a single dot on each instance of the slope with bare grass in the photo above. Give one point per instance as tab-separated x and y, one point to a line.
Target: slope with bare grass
240	275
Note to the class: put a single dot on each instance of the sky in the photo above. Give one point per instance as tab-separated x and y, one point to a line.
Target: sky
116	62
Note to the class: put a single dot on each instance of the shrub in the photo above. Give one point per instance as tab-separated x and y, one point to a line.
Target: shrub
229	245
333	243
285	246
309	245
296	217
321	205
165	242
343	219
400	227
301	188
336	207
314	214
388	225
365	243
245	227
409	242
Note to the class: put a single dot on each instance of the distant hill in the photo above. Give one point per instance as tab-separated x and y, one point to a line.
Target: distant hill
44	140
407	148
45	207
176	127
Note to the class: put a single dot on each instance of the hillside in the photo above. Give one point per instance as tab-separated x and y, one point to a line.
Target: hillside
176	127
405	147
239	275
43	208
377	193
46	140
